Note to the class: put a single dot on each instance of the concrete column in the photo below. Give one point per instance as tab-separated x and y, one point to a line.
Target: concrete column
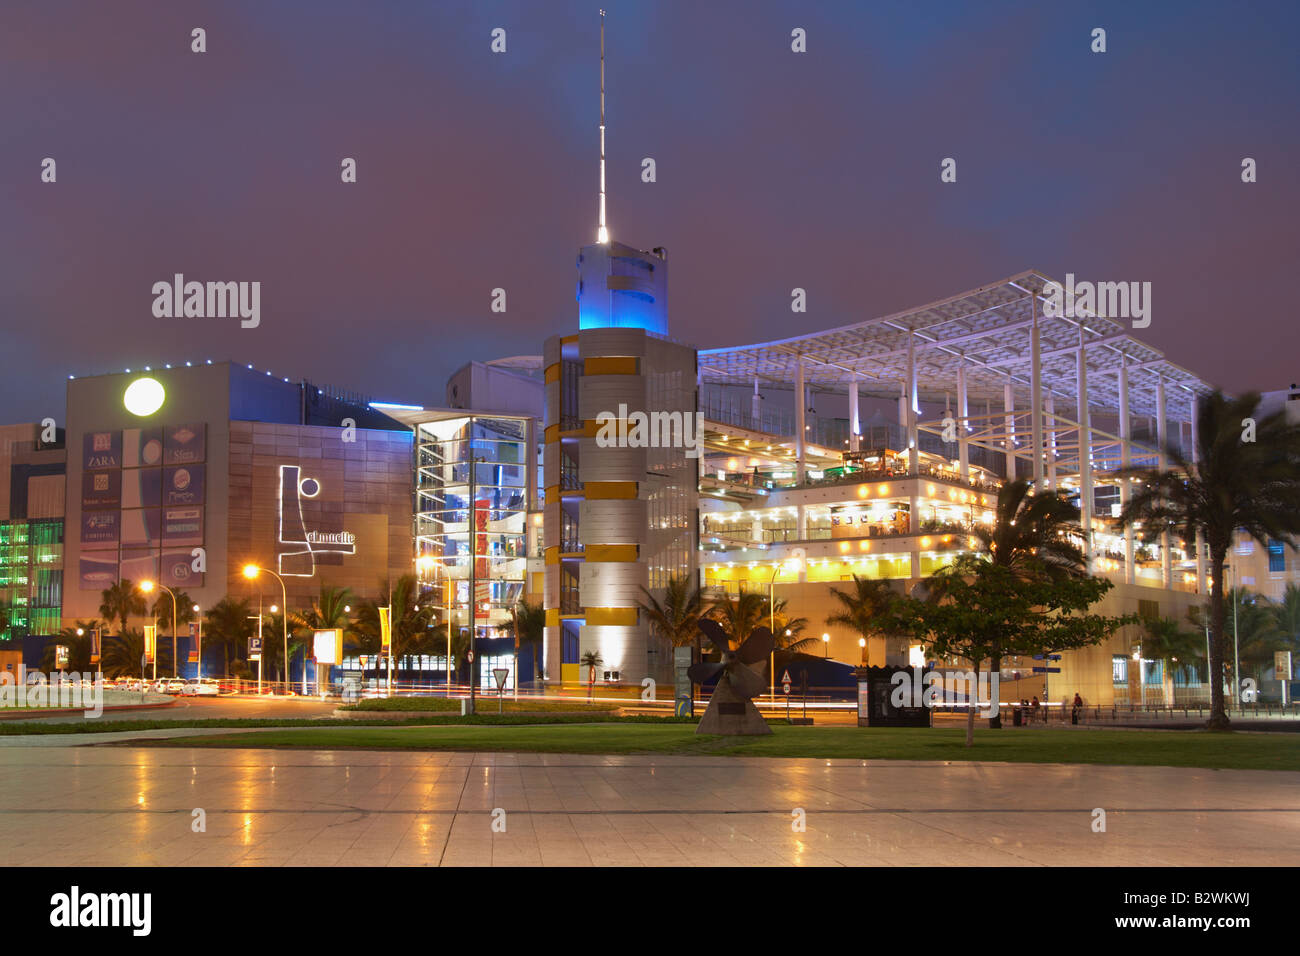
1162	440
1200	535
1035	394
1125	459
800	421
800	443
913	439
756	407
1051	440
855	426
963	429
1085	455
1009	404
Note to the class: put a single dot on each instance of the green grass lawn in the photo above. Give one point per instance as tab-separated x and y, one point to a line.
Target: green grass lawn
484	705
1276	751
102	726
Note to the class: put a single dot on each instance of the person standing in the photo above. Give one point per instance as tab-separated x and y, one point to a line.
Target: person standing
1076	708
1033	708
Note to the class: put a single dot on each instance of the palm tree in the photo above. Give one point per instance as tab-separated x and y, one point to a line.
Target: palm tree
527	624
329	610
675	619
1165	640
741	615
408	622
227	624
1257	630
78	645
1287	612
865	610
1034	535
123	652
120	602
1249	485
590	660
161	610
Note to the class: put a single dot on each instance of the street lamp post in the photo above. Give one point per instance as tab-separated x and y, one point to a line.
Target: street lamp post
146	587
826	646
771	626
251	571
198	656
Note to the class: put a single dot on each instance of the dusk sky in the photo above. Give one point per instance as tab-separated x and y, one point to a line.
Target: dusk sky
478	170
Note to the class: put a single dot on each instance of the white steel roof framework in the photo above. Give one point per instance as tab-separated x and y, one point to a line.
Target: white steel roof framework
986	330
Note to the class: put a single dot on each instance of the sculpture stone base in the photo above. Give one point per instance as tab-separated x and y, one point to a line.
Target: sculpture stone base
731	716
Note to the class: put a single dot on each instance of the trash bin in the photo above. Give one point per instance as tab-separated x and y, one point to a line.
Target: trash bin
1017	717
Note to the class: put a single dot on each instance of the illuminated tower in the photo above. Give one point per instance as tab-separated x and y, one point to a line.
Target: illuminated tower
615	519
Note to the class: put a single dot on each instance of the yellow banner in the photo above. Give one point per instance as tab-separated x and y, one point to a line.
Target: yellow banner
385	630
150	642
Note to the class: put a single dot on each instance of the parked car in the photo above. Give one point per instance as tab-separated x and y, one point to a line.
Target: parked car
206	687
171	685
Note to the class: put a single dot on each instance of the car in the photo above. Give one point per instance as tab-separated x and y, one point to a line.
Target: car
205	687
172	685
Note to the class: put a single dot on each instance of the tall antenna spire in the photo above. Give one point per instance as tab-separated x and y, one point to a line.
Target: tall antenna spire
602	234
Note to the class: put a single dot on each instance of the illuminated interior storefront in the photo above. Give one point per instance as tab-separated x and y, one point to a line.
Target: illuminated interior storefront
473	472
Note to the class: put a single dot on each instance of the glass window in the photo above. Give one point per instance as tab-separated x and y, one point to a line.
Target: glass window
1119	669
1276	557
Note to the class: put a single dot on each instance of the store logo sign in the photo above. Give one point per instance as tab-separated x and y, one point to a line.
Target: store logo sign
297	546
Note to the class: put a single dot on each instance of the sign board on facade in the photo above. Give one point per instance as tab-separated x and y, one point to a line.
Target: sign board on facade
328	646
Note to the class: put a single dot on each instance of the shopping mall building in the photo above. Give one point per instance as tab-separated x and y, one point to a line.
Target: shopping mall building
870	449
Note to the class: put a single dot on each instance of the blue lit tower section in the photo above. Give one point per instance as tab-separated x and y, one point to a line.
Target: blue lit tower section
616	519
622	288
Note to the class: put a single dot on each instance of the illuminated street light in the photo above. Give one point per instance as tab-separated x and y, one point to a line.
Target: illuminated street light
251	571
147	587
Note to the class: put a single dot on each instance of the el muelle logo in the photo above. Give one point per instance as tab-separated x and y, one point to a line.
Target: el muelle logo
76	909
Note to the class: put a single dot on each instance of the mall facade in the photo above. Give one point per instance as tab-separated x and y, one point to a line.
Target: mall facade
872	449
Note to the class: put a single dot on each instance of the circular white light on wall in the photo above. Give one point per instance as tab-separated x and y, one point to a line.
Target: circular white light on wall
144	396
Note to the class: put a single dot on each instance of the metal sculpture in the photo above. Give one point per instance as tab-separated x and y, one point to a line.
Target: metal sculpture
740	673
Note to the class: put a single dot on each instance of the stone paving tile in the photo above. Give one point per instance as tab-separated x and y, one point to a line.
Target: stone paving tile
119	806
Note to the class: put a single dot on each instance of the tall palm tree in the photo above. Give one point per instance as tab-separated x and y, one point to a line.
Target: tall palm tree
1033	534
866	609
739	616
1249	485
227	624
409	622
161	610
675	619
120	602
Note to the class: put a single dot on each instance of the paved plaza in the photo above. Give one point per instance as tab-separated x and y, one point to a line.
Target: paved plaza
134	806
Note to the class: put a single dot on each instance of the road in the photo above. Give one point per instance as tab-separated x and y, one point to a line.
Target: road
208	708
126	805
